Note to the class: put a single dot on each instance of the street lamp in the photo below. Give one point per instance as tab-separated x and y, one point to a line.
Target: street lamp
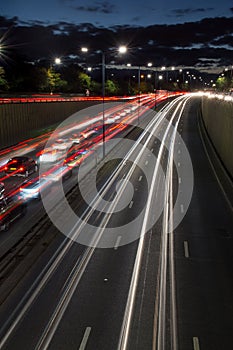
84	49
57	60
160	79
122	50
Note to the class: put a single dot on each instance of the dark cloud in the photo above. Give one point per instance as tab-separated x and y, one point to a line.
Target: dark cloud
188	11
226	40
136	19
101	7
178	44
231	9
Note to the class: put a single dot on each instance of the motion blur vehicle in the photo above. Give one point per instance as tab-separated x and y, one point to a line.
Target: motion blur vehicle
20	166
75	156
75	138
62	172
10	210
32	189
2	190
62	144
51	156
88	134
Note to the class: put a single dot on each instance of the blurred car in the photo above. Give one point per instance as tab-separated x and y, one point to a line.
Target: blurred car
110	120
2	190
62	144
58	173
75	157
75	138
88	134
50	156
32	189
20	166
10	210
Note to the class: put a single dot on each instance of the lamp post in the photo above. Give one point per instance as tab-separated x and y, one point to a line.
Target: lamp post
122	49
103	95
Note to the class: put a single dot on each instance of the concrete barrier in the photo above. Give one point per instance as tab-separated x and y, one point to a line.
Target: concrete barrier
218	120
20	121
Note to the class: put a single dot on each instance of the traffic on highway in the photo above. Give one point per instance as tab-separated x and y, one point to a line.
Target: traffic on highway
107	241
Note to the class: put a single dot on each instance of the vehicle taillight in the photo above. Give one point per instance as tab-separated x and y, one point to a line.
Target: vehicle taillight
21	168
6	167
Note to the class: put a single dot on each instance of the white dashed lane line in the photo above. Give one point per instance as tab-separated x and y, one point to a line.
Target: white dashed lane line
116	246
131	204
186	249
196	345
182	208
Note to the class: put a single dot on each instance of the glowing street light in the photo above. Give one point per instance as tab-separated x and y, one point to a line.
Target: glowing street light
57	60
122	49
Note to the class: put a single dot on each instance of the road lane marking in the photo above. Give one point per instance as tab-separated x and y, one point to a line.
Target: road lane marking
85	338
196	345
146	162
182	208
116	246
152	149
178	164
186	249
140	178
179	151
131	204
179	180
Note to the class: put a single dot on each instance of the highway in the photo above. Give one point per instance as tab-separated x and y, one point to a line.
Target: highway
146	259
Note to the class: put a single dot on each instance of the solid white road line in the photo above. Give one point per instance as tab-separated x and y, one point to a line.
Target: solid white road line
117	242
186	249
85	338
196	345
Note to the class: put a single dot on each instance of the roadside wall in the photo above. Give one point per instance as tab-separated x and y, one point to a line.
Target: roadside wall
19	121
218	119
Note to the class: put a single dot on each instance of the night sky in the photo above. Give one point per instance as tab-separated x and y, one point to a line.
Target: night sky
110	13
172	32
